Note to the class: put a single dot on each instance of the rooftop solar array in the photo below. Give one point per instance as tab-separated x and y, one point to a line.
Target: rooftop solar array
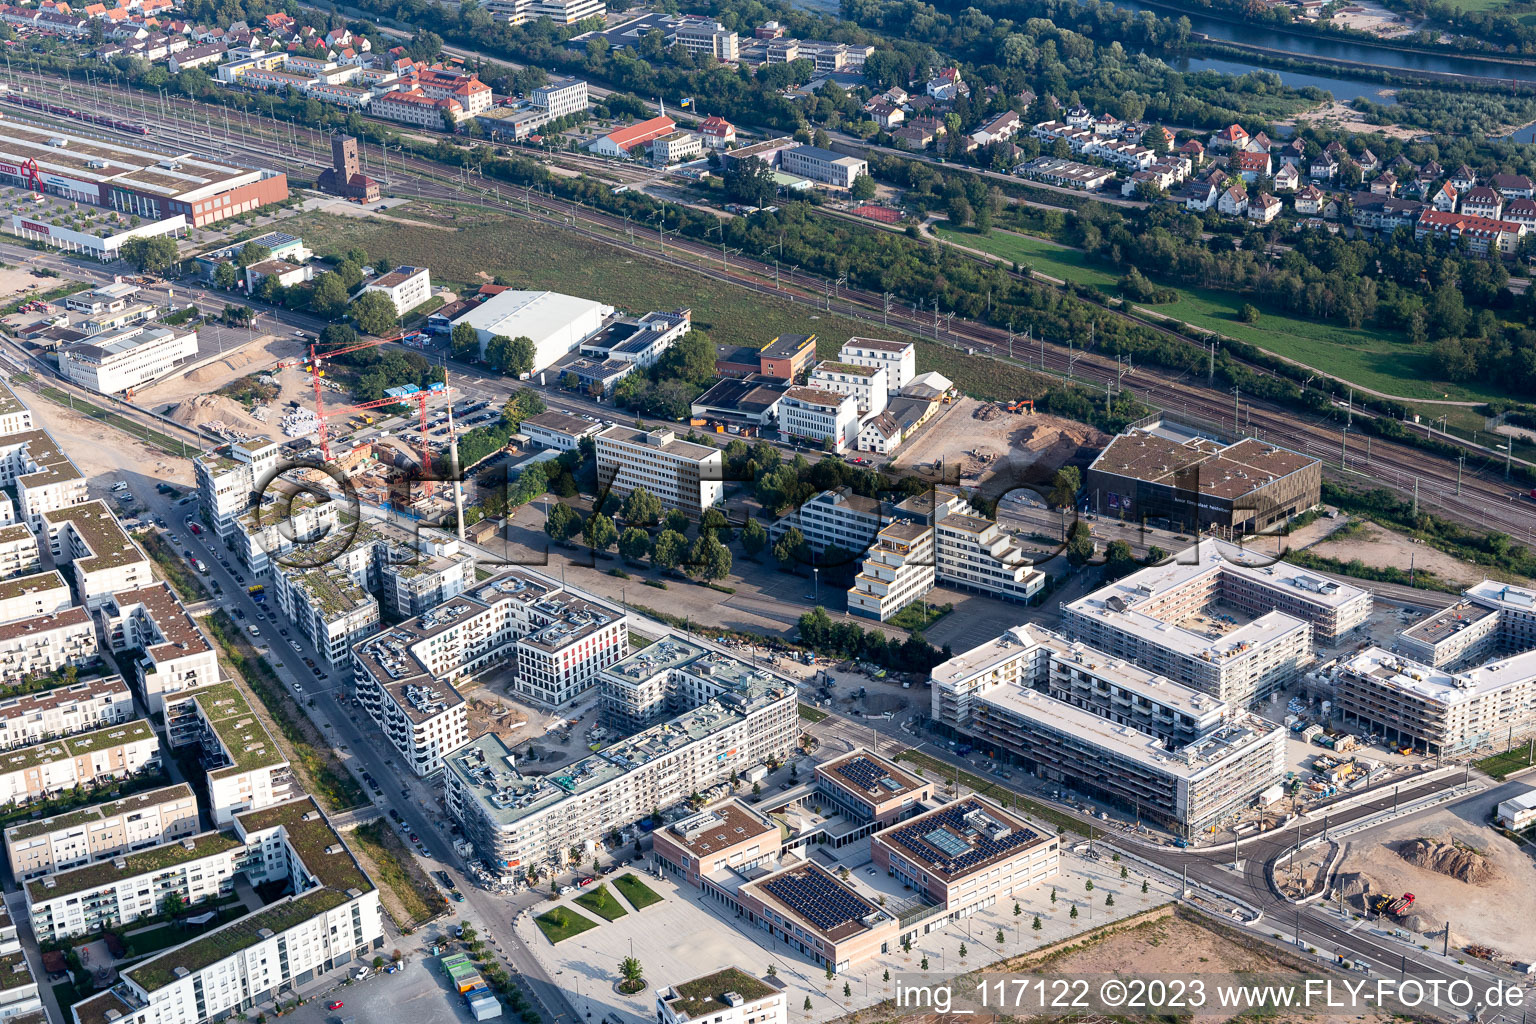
818	898
868	775
959	837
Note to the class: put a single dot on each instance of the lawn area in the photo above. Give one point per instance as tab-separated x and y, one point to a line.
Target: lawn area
561	923
811	714
920	615
637	892
536	256
601	902
415	899
1365	356
1501	765
941	773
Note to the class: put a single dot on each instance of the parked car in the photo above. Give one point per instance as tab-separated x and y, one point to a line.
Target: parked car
338	1004
566	890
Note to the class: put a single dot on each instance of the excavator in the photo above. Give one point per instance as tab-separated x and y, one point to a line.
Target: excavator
1396	906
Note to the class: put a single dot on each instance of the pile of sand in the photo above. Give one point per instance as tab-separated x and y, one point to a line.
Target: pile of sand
194	412
1453	859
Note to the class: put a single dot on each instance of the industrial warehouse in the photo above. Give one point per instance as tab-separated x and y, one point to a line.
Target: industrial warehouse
141	182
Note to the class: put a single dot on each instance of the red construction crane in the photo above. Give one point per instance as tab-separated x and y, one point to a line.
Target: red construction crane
322	414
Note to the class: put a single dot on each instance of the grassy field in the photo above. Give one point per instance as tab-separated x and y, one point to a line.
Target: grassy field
601	902
1501	765
561	923
637	892
395	869
811	714
1365	356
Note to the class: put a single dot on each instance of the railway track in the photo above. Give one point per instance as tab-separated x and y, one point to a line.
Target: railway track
1481	496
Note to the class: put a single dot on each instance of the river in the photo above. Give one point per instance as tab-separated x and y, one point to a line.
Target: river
1343	89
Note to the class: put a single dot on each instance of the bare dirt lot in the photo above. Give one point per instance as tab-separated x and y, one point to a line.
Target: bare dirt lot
1369	17
979	438
1495	912
1343	117
1379	547
15	280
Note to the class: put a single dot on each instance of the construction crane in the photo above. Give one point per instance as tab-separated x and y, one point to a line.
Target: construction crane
420	397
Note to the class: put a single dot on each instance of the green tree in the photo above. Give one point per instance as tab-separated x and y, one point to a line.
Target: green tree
464	342
150	255
1248	313
963	951
373	313
631	971
1053	895
562	523
676	521
750	182
790	548
714	522
1079	544
642	508
754	538
999	938
599	531
924	964
846	990
1109	899
1143	886
250	253
329	297
1073	914
1088	885
710	559
807	1003
669	549
226	276
1017	910
863	187
829	971
635	544
1122	871
1064	487
1037	925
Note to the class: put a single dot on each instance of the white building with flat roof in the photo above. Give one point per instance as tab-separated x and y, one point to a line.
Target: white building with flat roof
558	430
685	476
104	559
230	478
1518	813
84	706
731	996
101	831
129	357
819	415
48	768
556	324
405	287
898	358
44	477
869	385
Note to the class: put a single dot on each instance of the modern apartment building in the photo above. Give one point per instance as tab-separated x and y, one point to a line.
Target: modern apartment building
19	553
30	718
328	607
684	475
48	643
417	584
405	287
14	416
731	996
230	479
265	533
1491	617
463	85
102	831
869	385
105	560
1181	619
331	920
120	360
44	478
47	768
898	358
246	769
516	822
1170	473
41	593
172	655
108	894
1080	717
817	415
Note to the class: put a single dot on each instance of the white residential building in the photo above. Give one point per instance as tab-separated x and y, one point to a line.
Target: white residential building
19	554
231	477
822	165
44	478
173	655
405	287
50	767
329	607
561	97
685	476
48	643
676	147
105	560
819	415
129	357
898	358
29	718
95	833
245	768
869	385
731	996
40	593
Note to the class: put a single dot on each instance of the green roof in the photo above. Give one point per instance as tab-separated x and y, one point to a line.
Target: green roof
50	751
228	713
703	996
331	591
69	819
156	858
94	1010
209	949
310	839
14	971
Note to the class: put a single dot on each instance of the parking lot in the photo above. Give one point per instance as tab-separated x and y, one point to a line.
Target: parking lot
417	994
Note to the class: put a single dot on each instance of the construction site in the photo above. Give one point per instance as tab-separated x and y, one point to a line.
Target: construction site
975	439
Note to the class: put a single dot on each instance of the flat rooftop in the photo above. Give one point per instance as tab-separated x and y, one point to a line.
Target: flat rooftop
179	635
22	706
312	837
962	838
880	345
704	996
563	423
245	740
745	397
1440	626
108	872
1438	686
109	546
49	464
177	175
832	366
100	812
49	581
720	828
662	440
870	776
1503	596
824	906
1224	471
9	403
72	617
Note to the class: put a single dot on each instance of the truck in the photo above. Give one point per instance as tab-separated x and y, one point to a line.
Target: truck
1397	906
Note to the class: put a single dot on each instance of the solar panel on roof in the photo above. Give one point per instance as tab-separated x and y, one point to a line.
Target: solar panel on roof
867	775
817	898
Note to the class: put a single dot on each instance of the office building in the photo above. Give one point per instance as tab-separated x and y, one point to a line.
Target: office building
1491	617
870	791
48	643
46	769
556	324
230	479
869	385
676	147
566	12
423	580
822	165
728	836
1078	716
104	559
560	431
1167	472
102	831
730	996
405	287
837	519
706	39
561	97
685	476
109	298
172	655
129	357
897	358
516	822
1181	618
29	718
787	356
330	922
19	553
131	180
821	417
246	770
639	340
44	478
